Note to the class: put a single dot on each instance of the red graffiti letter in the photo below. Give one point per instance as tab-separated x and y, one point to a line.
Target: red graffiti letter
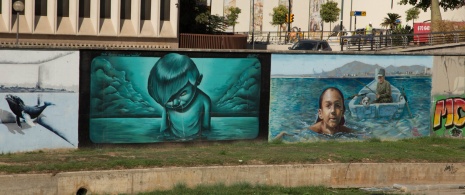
443	109
438	113
450	113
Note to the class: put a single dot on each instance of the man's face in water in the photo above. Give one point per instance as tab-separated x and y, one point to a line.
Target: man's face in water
332	108
183	97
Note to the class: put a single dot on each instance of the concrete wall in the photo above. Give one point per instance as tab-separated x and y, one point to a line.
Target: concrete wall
106	99
353	175
448	92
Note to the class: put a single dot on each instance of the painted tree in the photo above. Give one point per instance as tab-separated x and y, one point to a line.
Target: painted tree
279	16
329	12
412	14
390	21
434	6
231	16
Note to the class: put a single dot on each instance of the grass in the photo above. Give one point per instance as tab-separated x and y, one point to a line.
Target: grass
245	188
419	150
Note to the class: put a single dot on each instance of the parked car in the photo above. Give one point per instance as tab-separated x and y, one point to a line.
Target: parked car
315	45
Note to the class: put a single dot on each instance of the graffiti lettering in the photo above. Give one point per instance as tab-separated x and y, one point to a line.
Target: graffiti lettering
452	110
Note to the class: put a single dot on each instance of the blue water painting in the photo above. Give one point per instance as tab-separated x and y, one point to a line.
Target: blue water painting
294	107
147	130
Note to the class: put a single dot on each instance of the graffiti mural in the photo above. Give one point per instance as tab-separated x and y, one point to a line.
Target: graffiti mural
173	97
40	100
349	97
315	18
448	110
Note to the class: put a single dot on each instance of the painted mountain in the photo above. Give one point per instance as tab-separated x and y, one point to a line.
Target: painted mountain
360	69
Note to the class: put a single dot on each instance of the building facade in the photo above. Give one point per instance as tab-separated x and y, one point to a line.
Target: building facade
132	23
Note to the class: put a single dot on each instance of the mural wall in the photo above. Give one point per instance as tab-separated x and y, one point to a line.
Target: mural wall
40	100
349	97
448	107
163	97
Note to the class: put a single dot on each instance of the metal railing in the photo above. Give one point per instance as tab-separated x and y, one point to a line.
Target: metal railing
284	37
391	41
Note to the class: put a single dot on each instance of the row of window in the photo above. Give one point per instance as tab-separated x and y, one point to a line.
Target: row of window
105	8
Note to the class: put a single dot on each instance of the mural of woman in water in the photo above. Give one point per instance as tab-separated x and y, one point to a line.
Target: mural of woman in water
173	83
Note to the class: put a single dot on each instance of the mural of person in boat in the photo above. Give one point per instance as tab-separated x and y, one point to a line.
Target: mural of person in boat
331	113
383	88
172	83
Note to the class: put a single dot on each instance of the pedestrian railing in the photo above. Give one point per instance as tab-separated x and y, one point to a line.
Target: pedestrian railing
390	41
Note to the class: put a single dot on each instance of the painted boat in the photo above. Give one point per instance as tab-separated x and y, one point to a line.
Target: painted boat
362	106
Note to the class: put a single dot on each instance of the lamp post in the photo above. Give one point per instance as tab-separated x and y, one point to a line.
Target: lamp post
340	27
253	24
18	6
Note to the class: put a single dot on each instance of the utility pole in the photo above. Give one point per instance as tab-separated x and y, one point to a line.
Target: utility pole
350	28
342	14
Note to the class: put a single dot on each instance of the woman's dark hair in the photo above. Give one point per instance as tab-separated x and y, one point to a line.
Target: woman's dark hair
321	102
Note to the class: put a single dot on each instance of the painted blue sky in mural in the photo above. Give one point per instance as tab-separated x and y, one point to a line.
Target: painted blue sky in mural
307	64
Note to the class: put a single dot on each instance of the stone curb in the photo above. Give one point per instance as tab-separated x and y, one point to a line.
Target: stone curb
412	188
415	176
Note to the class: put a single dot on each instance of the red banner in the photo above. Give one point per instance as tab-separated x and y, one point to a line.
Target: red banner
421	31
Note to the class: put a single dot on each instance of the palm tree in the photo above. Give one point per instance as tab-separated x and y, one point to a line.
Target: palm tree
390	21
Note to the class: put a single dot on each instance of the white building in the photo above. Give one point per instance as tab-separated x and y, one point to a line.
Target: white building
132	22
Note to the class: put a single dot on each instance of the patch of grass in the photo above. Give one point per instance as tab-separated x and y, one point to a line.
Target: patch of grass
424	149
246	188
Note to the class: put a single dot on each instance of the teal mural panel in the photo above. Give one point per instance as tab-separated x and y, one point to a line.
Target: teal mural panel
173	97
334	97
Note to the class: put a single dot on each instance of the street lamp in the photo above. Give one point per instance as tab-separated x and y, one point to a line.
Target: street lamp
253	23
18	6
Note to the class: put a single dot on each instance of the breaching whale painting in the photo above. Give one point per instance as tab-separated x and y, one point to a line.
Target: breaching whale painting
173	97
39	100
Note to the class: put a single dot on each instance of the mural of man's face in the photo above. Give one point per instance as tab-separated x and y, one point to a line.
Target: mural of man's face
380	79
183	97
332	109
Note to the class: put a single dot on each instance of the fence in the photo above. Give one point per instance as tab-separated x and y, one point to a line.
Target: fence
378	42
205	41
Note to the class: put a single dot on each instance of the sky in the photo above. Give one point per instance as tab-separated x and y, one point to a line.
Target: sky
305	64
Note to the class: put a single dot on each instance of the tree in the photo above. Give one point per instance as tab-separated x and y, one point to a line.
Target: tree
425	4
213	23
329	12
412	14
279	16
391	20
195	17
434	7
231	17
189	9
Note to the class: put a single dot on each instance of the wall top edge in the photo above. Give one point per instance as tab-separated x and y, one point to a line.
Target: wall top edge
425	53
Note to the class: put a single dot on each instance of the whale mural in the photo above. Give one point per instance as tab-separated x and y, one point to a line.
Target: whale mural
40	100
